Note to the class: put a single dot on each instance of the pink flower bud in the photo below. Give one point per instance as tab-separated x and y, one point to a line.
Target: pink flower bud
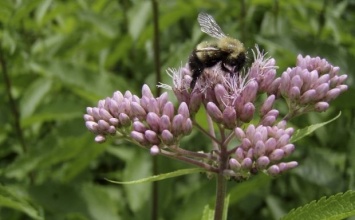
184	110
342	88
246	163
248	112
259	149
154	150
187	127
165	123
195	101
229	117
267	105
294	93
177	124
117	97
342	79
114	121
321	90
153	121
270	145
268	120
308	97
321	106
323	79
262	162
128	95
100	138
124	119
88	117
250	153
314	77
273	170
95	113
296	81
246	144
239	133
285	82
283	140
167	137
332	94
103	125
137	110
239	154
221	94
92	126
168	110
273	88
111	130
139	137
288	149
234	164
146	91
162	100
250	91
151	136
276	155
105	114
139	126
214	112
153	106
250	130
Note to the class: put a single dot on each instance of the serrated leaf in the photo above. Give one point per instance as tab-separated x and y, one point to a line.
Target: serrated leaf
160	176
10	200
335	207
299	134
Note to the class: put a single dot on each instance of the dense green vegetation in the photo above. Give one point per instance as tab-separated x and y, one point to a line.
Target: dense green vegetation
58	57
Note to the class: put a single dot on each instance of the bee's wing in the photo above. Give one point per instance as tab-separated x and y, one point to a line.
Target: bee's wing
209	25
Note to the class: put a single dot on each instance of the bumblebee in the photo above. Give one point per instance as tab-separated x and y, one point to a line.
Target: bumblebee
229	51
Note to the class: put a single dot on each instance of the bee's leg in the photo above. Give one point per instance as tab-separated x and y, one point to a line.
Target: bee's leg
196	67
228	70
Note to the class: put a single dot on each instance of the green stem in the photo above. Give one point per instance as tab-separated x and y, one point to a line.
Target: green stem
221	186
221	189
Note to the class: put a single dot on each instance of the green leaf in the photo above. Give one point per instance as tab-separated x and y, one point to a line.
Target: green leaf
299	134
225	208
160	176
208	213
34	95
10	200
338	206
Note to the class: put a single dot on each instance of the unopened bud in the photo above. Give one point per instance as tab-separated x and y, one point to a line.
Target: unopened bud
214	112
262	162
100	138
154	150
229	117
151	136
234	164
267	105
276	155
167	137
273	170
153	121
321	106
177	124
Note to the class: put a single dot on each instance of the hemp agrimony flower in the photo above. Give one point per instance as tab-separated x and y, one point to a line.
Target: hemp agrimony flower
232	102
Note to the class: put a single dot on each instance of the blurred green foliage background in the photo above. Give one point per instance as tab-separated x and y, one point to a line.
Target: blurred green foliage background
58	57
